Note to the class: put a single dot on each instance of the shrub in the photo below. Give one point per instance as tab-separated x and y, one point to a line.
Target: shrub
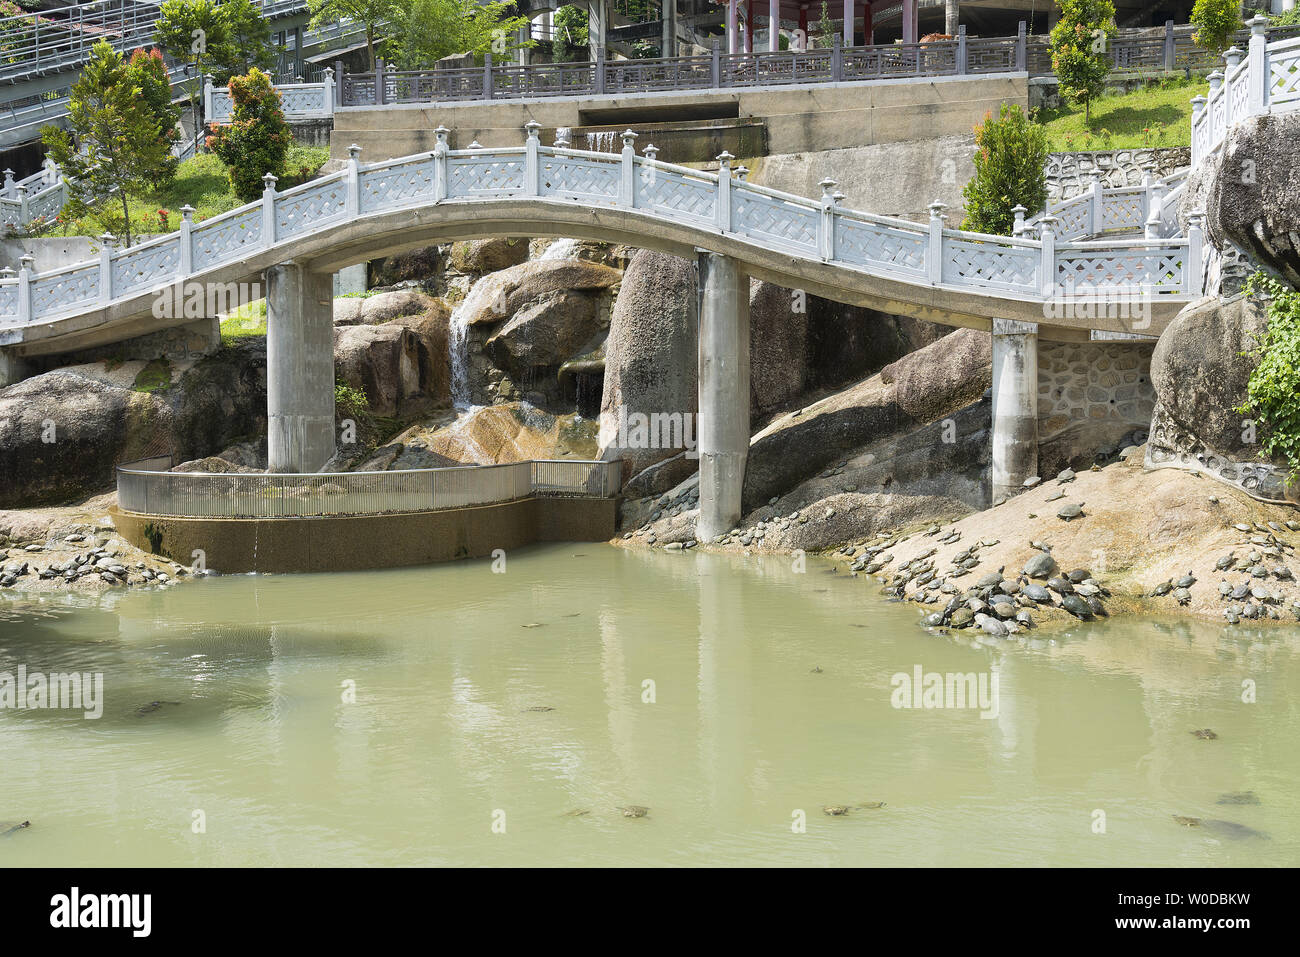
257	139
1215	21
1011	152
1273	395
570	25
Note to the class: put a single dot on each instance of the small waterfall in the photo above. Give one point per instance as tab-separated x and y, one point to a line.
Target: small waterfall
479	296
560	249
606	142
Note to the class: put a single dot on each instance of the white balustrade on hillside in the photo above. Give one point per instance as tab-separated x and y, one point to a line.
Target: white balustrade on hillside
813	229
300	101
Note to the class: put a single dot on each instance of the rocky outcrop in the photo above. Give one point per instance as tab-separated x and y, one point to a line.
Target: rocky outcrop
384	306
943	376
778	346
1251	194
415	265
220	400
488	255
62	434
1201	369
382	361
548	331
650	356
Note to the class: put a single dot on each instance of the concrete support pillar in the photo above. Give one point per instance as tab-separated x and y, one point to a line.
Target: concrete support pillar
596	24
724	391
299	368
1015	405
13	369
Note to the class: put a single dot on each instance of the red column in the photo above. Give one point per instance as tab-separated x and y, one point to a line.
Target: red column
749	26
803	23
868	28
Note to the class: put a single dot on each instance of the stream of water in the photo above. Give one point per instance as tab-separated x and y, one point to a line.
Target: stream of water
728	695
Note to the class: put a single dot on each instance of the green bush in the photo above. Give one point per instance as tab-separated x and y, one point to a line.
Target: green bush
350	403
1273	395
257	140
1215	21
147	70
1009	160
570	25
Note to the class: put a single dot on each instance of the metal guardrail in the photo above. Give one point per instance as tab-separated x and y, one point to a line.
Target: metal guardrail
146	491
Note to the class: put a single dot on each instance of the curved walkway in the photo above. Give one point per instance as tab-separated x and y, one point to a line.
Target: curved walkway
929	272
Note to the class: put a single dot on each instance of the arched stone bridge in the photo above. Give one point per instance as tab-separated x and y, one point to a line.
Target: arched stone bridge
297	238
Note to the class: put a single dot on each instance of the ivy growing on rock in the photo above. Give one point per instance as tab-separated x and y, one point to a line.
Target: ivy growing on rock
1273	394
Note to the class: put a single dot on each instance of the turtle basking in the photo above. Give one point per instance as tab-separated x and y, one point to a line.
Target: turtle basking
539	707
1205	734
576	812
836	810
7	828
1228	829
634	810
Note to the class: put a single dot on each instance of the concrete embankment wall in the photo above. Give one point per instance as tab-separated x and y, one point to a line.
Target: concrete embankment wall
354	542
804	118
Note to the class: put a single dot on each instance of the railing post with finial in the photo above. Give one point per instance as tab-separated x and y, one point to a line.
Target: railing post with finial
934	253
1096	210
1198	109
1047	250
207	97
598	78
1170	47
186	264
340	81
837	60
379	83
106	241
715	64
352	181
440	150
961	49
532	168
1153	225
1022	48
722	205
649	172
826	221
25	276
1018	228
1257	73
487	75
9	183
1194	268
22	203
329	90
627	181
268	209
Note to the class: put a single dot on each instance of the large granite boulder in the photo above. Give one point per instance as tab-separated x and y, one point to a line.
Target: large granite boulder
778	347
383	306
383	361
488	255
219	401
62	433
1252	192
650	356
498	296
414	265
1200	370
943	376
544	333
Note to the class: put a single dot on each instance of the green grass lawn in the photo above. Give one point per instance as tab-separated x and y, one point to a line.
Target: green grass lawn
1158	115
200	181
246	322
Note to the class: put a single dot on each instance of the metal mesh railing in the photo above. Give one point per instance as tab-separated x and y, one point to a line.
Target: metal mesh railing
143	490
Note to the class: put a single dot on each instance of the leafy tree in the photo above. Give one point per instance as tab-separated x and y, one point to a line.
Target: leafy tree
1216	21
193	32
115	150
1012	150
825	28
1080	47
372	14
257	139
570	25
425	31
147	71
248	42
1273	394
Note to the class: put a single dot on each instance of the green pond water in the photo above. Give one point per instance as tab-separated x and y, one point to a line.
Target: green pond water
440	761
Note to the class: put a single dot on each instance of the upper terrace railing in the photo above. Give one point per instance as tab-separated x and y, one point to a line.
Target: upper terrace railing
722	203
61	38
278	495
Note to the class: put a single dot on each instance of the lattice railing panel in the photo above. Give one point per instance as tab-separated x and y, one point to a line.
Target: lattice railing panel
217	241
874	245
485	175
580	178
1123	210
1160	269
988	263
146	266
757	215
394	186
677	195
316	205
65	291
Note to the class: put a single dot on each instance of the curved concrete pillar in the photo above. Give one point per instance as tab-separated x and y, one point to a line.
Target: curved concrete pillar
1015	405
724	391
299	368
